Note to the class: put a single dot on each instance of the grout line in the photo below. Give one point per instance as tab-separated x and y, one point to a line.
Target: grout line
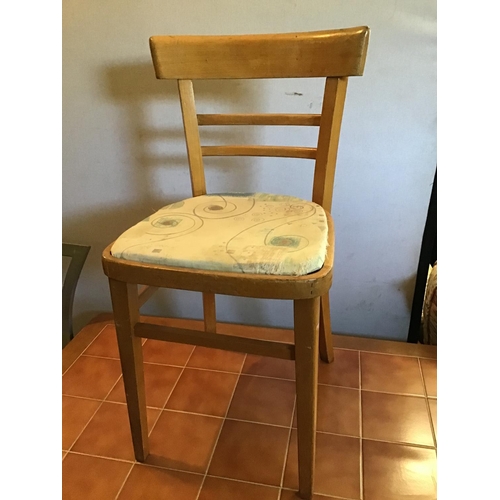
93	415
422	379
163	467
101	456
199	368
399	443
220	430
288	444
95	338
124	481
258	423
385	353
211	370
222	418
96	356
78	357
117	402
361	471
145	362
171	392
82	397
180	366
267	376
427	405
352	436
193	413
207	415
108	400
339	386
421	396
243	481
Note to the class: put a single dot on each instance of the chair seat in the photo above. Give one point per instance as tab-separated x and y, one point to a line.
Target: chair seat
256	233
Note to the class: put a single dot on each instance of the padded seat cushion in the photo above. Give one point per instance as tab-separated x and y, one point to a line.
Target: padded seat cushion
242	233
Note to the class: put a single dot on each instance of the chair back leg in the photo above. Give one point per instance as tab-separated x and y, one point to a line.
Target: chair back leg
209	312
325	330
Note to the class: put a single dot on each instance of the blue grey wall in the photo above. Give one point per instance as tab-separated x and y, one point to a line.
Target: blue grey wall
124	155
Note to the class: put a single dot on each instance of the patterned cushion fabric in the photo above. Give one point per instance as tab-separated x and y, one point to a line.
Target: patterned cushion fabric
242	233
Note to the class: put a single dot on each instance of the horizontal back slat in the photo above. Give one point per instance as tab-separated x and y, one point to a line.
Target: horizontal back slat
334	53
269	151
259	119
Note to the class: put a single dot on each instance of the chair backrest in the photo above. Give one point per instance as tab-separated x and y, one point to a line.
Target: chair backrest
335	54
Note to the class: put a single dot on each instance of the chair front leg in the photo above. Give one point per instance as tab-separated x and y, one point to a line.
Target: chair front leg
125	301
306	328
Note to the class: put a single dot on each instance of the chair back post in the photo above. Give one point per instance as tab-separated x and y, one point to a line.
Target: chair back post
192	134
328	141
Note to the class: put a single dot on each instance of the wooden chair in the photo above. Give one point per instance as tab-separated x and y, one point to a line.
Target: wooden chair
336	55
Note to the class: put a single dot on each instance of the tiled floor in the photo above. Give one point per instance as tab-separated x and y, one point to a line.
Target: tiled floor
222	424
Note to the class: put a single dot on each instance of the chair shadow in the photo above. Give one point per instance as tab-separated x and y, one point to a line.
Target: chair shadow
157	151
150	106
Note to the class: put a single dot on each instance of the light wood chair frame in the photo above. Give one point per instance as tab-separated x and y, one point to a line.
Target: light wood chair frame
335	55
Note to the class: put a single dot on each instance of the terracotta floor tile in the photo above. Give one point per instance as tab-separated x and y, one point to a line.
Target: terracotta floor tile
250	452
202	391
344	370
216	359
337	465
338	410
159	381
91	377
215	488
183	441
108	433
76	413
265	400
153	483
391	417
105	344
102	479
293	495
167	353
387	373
269	367
433	408
393	472
429	370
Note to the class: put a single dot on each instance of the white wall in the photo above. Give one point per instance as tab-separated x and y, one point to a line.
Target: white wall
124	156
